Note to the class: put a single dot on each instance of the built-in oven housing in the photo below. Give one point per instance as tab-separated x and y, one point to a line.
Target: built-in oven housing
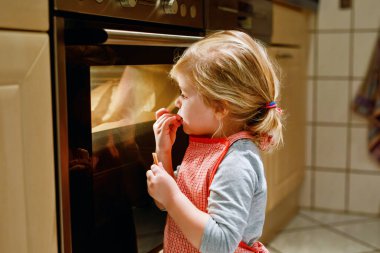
251	16
111	64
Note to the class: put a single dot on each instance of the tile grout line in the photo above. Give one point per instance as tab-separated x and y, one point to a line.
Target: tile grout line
352	171
349	130
334	31
311	227
347	222
336	124
329	124
337	78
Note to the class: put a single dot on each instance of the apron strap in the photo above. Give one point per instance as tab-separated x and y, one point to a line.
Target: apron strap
238	136
216	165
229	141
257	247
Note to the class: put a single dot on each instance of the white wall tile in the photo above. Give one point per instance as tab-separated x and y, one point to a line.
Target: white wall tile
329	190
366	14
332	42
331	145
333	54
309	144
331	16
364	193
305	194
355	117
360	158
330	107
364	45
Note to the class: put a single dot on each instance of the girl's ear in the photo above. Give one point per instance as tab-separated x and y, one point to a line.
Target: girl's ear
221	110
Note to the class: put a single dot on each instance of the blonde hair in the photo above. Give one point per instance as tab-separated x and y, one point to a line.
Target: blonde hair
231	69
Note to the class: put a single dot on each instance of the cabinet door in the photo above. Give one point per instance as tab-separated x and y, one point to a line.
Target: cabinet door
27	191
290	26
285	167
25	14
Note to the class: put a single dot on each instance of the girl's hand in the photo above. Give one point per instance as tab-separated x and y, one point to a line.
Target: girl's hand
165	129
161	186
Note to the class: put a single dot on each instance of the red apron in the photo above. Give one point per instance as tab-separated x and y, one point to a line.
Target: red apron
198	168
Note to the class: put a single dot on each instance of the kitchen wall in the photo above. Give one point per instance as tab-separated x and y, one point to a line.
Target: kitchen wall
340	174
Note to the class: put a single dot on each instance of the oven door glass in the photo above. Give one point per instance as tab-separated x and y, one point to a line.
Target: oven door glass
113	93
129	95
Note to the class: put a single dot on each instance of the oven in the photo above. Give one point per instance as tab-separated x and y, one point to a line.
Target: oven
111	65
253	17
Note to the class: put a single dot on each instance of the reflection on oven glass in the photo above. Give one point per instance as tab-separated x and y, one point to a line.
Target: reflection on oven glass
150	234
124	100
128	95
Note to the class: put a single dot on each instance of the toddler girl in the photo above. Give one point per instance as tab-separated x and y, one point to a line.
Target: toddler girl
216	201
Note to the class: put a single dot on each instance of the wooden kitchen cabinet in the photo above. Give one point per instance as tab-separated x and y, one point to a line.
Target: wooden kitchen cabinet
24	15
290	25
27	183
28	220
285	167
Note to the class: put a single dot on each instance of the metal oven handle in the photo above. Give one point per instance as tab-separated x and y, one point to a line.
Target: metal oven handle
121	37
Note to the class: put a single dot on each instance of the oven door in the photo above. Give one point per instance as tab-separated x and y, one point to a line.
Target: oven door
110	83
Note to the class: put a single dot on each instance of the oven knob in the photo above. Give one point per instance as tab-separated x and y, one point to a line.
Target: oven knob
183	10
171	6
193	11
128	3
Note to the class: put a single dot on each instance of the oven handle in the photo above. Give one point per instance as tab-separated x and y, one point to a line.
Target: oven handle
121	37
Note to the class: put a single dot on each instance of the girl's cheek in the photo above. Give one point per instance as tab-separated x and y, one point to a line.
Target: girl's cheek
182	110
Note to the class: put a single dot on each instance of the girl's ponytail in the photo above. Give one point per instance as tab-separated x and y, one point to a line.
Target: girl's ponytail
267	129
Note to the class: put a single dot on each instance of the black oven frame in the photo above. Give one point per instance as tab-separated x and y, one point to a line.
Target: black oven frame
97	31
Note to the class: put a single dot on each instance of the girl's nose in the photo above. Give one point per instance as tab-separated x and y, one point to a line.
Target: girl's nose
178	102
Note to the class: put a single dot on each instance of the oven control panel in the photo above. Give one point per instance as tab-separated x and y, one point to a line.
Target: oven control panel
187	13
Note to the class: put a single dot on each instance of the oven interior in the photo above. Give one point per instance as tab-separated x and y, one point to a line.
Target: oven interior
113	92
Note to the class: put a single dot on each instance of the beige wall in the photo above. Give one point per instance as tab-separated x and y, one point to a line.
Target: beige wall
340	175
